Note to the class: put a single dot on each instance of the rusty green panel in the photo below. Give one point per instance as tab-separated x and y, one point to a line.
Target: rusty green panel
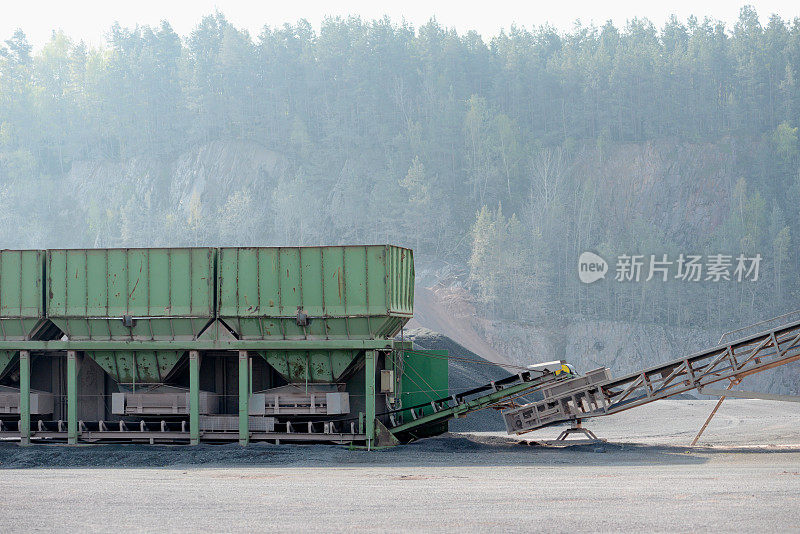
322	366
141	367
425	377
21	292
21	279
341	360
351	292
17	329
144	328
6	356
169	292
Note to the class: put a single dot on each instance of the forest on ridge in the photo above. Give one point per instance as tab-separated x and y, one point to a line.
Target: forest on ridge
502	156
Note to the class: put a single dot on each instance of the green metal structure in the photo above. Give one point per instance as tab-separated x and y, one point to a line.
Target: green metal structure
321	320
344	293
166	295
21	302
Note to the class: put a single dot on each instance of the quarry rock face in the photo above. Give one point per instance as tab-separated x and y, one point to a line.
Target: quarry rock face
204	176
215	170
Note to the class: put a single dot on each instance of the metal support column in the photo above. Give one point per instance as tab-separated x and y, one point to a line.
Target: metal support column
711	416
72	397
24	397
369	380
244	397
194	397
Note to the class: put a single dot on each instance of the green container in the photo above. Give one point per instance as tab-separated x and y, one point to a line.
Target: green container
168	294
347	292
21	297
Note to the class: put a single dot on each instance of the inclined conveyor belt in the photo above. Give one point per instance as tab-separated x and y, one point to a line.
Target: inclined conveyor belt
407	421
577	398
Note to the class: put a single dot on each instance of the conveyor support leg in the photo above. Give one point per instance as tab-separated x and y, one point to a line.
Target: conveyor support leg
72	397
194	397
24	397
369	370
244	397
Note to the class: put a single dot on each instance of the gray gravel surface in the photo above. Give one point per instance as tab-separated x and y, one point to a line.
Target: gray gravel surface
459	482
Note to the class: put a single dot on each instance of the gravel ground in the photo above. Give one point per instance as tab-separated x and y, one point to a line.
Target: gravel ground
745	478
738	422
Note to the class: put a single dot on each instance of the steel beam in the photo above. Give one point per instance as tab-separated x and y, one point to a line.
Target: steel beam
369	381
710	416
244	397
232	345
24	397
133	436
72	397
194	397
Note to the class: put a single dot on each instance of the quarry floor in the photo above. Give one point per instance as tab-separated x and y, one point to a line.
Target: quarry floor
744	477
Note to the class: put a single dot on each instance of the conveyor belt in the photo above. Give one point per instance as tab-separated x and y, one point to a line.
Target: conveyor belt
578	398
461	404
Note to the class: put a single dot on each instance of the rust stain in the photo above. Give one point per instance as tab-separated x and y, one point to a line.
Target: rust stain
338	275
136	284
134	288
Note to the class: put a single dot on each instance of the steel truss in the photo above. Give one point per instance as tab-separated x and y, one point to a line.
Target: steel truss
733	361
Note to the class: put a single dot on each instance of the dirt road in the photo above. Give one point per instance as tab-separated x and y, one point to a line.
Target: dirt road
456	483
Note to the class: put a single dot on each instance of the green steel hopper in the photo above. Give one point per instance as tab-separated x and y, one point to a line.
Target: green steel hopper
147	294
315	293
21	302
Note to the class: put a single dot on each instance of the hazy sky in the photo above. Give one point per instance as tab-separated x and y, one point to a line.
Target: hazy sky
90	19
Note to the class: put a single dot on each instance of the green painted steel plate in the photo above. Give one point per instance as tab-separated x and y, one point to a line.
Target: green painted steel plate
17	329
6	356
320	366
169	292
21	292
137	367
346	291
154	282
21	285
425	377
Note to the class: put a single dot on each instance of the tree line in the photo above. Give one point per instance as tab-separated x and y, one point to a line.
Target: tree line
474	151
